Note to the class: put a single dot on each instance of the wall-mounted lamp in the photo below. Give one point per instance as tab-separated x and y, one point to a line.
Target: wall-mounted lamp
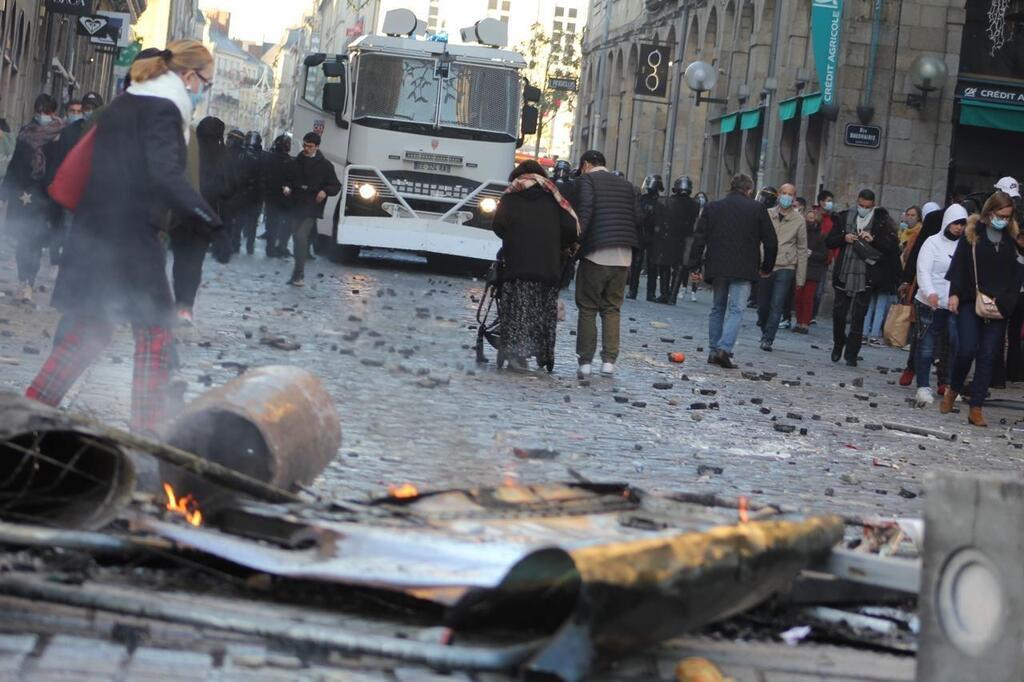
928	74
701	77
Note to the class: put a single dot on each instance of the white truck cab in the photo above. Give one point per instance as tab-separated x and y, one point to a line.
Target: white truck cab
423	136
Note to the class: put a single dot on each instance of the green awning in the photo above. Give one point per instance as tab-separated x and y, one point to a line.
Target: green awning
728	124
992	115
810	104
750	119
787	109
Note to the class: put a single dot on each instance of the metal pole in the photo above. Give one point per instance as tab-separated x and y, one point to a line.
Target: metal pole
543	101
768	125
677	86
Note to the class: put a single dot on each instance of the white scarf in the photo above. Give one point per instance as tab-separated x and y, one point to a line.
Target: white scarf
170	87
864	224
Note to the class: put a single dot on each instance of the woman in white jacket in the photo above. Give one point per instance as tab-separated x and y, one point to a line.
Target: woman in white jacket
934	319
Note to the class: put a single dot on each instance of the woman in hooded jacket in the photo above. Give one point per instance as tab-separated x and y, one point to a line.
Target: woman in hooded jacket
31	212
984	267
190	238
113	270
536	225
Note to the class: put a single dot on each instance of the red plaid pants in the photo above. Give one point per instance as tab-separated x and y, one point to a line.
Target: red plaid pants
82	345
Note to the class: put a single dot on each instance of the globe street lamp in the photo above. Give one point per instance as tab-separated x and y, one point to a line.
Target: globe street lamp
701	77
928	74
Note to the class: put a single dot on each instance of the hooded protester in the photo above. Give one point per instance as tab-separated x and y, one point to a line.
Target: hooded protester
984	284
114	265
276	164
190	238
537	226
935	325
31	213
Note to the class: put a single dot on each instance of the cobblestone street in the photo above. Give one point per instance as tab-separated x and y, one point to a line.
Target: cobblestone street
394	345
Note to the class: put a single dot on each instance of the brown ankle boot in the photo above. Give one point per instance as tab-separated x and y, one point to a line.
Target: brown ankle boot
948	401
976	418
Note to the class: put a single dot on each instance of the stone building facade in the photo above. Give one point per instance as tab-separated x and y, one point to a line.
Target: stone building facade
772	124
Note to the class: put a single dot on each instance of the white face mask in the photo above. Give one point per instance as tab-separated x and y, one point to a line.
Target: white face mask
863	212
44	119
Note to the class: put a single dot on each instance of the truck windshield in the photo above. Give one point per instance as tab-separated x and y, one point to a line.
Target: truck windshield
401	88
480	98
396	88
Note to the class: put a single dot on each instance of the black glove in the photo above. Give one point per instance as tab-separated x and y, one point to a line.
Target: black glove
220	243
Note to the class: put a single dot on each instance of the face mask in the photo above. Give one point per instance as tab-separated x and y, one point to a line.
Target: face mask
999	223
44	120
903	225
701	201
197	98
785	201
829	206
73	118
863	212
87	115
949	235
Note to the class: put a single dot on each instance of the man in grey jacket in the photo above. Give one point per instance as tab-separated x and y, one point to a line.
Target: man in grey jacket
610	218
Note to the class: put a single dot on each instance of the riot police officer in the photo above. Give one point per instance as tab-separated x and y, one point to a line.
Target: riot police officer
563	178
650	200
682	217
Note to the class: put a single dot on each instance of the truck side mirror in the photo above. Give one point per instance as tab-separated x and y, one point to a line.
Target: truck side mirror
531	94
334	69
531	116
334	98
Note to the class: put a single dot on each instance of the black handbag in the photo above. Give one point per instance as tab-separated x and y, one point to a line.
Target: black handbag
866	252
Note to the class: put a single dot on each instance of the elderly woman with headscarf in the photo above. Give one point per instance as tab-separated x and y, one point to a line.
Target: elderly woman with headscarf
537	226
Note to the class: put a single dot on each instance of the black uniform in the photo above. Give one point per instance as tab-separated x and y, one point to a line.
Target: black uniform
252	191
647	203
682	217
660	251
278	207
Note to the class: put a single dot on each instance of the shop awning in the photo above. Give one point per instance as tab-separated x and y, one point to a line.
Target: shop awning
787	108
810	104
727	124
992	115
750	119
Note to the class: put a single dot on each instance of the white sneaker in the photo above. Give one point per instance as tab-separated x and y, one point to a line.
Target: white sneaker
924	397
693	296
608	369
584	371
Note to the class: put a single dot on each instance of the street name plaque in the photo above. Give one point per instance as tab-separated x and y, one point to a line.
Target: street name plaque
867	137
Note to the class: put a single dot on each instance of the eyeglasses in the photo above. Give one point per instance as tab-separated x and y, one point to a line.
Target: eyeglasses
207	83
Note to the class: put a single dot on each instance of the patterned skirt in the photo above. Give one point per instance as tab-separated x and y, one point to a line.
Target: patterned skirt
529	320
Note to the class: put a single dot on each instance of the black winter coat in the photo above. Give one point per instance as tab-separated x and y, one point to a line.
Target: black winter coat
114	264
534	231
883	275
998	272
608	211
817	261
730	236
59	150
307	177
682	217
567	188
276	174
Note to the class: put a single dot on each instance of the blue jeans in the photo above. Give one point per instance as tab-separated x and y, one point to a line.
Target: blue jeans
874	321
731	295
932	328
772	294
979	342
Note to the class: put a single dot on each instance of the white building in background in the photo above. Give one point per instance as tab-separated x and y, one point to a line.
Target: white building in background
285	61
243	85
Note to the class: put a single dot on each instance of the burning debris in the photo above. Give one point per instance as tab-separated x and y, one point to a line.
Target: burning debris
579	571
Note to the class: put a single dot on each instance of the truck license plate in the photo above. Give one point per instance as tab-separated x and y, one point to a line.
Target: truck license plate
437	167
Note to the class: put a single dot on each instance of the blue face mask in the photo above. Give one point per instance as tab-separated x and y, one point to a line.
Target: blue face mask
904	225
197	98
44	120
999	223
785	201
863	212
73	118
829	206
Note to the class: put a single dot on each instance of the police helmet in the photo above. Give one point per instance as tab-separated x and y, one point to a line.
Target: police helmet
254	141
653	184
682	185
563	170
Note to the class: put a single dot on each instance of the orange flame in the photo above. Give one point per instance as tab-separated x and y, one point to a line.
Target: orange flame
404	491
186	506
744	516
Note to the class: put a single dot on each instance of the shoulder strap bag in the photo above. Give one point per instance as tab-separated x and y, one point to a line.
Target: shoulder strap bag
984	306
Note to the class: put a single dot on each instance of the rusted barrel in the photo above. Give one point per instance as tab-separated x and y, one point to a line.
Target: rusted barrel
276	424
56	472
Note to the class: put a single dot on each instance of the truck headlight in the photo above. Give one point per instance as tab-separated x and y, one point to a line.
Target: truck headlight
489	205
367	192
